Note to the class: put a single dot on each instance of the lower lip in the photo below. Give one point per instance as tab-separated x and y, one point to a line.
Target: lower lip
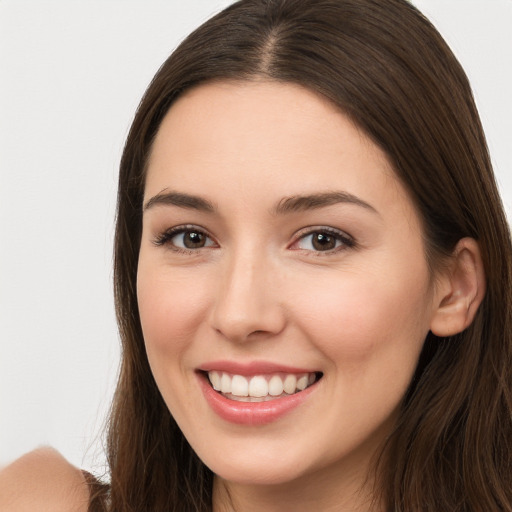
252	413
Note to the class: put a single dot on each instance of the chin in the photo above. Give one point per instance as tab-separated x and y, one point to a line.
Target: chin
257	473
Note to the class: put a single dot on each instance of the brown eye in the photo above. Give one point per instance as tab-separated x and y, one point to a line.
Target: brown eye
194	239
323	241
182	238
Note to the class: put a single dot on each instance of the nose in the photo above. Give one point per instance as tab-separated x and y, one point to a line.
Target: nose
247	305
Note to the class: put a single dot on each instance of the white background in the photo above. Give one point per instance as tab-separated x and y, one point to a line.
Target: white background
71	76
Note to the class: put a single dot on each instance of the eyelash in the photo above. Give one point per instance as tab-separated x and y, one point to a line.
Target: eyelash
346	241
166	237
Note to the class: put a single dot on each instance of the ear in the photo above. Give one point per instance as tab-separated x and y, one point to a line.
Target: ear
460	290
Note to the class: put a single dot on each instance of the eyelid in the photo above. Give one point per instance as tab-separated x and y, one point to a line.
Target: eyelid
347	240
164	237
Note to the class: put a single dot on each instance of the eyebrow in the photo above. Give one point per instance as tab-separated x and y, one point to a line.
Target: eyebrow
181	200
292	204
301	203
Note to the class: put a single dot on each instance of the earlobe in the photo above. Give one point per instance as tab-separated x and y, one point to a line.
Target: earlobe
461	290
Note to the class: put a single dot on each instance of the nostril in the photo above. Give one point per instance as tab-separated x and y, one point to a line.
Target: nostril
259	332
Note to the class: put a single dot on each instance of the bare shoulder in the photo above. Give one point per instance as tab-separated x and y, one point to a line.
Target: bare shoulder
43	480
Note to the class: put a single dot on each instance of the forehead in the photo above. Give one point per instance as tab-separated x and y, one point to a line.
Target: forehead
237	136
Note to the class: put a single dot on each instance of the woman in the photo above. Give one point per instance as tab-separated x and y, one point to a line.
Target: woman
312	274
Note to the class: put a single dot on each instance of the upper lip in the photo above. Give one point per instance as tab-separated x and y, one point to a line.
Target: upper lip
251	368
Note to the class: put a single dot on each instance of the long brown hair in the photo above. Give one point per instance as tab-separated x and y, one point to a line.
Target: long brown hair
383	64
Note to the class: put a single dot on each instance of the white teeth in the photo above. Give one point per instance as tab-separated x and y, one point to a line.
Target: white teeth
215	380
302	382
290	384
239	386
225	383
275	386
259	386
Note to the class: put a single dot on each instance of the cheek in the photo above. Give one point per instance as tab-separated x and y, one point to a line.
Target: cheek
170	307
367	318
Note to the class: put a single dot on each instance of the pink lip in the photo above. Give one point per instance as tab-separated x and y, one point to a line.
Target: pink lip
252	368
252	413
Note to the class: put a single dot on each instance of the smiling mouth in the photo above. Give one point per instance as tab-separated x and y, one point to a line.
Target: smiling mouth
260	388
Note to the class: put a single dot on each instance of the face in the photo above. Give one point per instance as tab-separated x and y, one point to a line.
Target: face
283	289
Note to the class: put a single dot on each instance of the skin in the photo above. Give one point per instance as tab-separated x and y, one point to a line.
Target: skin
43	480
260	291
